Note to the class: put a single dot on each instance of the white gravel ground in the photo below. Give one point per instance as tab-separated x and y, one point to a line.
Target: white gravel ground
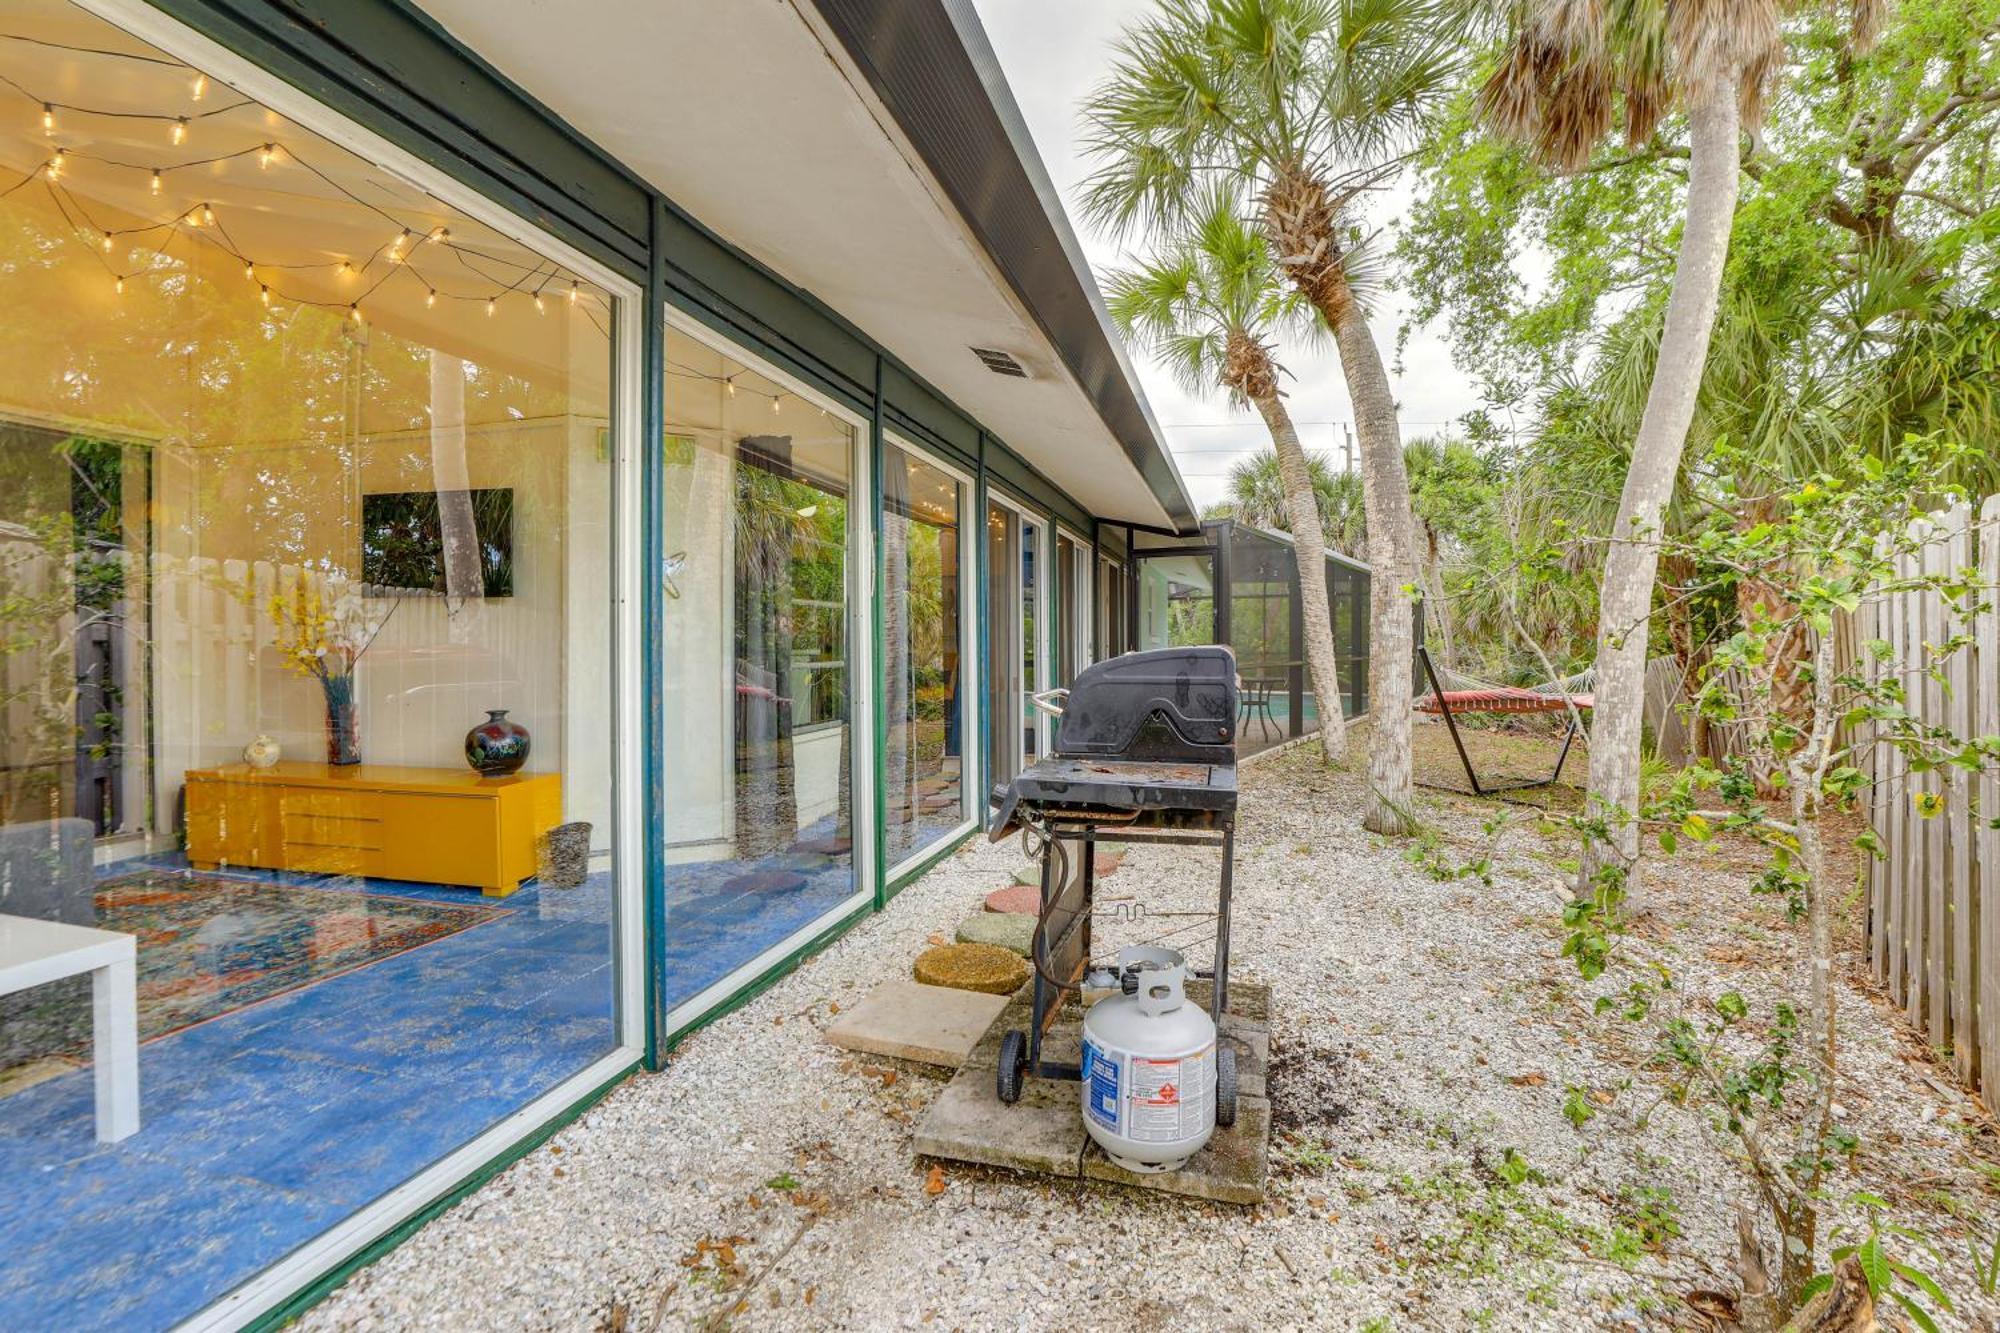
1425	1037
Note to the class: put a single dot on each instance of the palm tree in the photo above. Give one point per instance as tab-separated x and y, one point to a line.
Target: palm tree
1209	307
1257	497
1568	71
1299	106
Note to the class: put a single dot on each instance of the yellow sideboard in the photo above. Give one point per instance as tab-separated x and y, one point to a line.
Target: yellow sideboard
440	825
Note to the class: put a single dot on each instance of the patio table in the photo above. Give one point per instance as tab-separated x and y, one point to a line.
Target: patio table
34	953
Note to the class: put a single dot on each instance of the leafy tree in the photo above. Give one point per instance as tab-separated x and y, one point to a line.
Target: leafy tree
1257	497
1298	108
1210	306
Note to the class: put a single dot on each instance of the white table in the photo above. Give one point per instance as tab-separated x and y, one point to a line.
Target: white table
33	953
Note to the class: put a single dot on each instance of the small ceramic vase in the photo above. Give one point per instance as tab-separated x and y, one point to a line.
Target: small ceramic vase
496	747
262	752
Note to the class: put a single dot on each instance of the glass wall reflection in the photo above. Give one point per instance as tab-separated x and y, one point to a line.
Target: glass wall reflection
923	662
756	644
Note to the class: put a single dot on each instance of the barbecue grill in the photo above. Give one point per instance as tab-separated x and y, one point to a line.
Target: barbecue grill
1144	753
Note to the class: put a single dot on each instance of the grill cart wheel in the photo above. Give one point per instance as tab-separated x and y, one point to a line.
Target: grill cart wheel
1225	1086
1013	1058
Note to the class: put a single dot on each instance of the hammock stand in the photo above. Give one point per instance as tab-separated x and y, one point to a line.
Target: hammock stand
1498	699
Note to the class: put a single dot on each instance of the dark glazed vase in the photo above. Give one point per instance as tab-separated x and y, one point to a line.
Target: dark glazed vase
496	747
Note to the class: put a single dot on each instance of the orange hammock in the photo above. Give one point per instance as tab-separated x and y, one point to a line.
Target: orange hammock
1497	699
1500	699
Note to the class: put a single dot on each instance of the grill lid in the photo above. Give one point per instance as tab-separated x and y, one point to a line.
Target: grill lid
1171	705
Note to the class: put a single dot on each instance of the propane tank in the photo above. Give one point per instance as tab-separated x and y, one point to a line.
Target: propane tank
1148	1064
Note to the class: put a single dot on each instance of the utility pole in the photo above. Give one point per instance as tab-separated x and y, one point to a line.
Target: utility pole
1347	444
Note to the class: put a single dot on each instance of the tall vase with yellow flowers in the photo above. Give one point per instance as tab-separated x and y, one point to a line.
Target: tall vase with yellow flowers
325	640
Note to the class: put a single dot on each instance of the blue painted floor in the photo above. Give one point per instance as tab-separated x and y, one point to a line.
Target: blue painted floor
264	1127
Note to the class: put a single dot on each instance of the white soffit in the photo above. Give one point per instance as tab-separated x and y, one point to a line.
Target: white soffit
746	115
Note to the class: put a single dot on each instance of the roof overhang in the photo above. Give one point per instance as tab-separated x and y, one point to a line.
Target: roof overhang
869	152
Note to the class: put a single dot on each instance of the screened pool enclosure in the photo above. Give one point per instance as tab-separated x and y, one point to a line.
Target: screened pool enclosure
1239	585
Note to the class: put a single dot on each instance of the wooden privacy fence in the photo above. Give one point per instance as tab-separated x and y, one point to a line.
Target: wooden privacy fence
1934	898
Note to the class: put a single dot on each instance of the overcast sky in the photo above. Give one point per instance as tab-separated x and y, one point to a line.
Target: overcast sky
1054	53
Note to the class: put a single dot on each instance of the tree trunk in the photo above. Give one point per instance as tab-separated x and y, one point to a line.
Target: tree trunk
1625	601
1309	545
1385	497
1438	611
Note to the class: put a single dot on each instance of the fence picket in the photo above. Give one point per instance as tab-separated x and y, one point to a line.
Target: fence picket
1934	898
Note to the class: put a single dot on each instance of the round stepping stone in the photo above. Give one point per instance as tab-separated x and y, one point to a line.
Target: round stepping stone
1016	898
1104	865
765	881
1012	931
1029	875
986	968
835	846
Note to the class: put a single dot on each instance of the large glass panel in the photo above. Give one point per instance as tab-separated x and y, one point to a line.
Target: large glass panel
306	612
924	661
1111	626
755	646
1071	632
1260	629
1034	542
1005	619
1176	601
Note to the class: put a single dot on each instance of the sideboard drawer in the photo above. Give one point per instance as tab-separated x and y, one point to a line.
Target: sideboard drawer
445	839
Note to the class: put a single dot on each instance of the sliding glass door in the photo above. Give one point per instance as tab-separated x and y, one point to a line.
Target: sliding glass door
1016	647
927	672
759	652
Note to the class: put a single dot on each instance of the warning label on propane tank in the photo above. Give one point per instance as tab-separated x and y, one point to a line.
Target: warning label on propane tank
1100	1077
1170	1097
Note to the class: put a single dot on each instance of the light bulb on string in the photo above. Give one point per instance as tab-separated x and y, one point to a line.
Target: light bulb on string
264	294
108	242
48	118
267	156
572	291
249	270
776	406
180	131
431	298
207	216
56	165
118	287
729	386
200	89
346	268
492	305
156	180
396	246
354	313
540	309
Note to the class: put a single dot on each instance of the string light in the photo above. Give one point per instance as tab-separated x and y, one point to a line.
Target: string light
775	406
179	128
729	386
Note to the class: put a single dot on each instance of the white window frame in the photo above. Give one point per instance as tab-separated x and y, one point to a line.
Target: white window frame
861	698
1045	566
972	681
280	1281
1083	577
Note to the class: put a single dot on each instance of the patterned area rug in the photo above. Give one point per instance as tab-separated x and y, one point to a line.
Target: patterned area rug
209	945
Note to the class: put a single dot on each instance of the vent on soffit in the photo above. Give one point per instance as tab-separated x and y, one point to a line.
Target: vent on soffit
1001	363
